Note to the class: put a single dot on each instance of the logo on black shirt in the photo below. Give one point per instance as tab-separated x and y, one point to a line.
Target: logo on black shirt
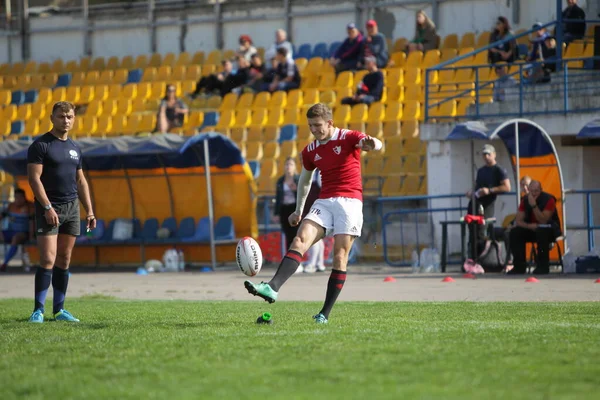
74	155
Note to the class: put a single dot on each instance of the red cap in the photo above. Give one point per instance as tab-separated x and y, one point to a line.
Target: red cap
371	23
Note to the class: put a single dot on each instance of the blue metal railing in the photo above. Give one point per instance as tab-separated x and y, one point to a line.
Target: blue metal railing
487	83
589	225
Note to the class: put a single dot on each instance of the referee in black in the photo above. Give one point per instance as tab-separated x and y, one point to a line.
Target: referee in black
57	180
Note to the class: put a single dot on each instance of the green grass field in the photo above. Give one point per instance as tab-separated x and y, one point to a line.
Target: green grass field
193	350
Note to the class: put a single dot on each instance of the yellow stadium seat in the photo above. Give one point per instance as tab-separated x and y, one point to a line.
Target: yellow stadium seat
104	126
271	150
410	129
414	59
288	149
44	68
575	50
85	64
447	54
327	81
244	102
467	40
144	90
400	45
113	63
32	127
327	97
294	99
183	59
193	73
398	60
301	63
120	76
392	186
226	121
49	79
414	92
59	94
430	59
464	76
304	134
214	57
450	42
254	133
393	166
376	112
73	93
23	82
412	186
72	67
393	112
9	82
310	81
163	73
129	91
10	112
133	124
292	117
157	90
278	100
124	107
275	117
101	92
359	75
414	146
482	40
238	134
89	125
45	125
395	94
114	91
148	123
229	102
391	128
98	64
345	80
194	120
341	115
35	81
77	128
359	113
198	58
91	78
468	60
254	151
44	96
155	60
213	102
119	125
127	63
39	110
208	69
266	184
374	129
243	118
186	87
413	164
412	76
314	66
310	96
86	94
5	127
57	66
178	73
270	133
5	97
149	75
261	100
259	117
481	58
109	107
139	105
411	110
169	59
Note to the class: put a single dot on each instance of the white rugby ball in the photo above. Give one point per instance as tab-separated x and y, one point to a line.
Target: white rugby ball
248	256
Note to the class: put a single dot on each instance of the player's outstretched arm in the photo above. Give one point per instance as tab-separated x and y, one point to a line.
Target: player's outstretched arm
304	184
369	143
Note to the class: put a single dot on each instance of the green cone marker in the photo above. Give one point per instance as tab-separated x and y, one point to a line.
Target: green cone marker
266	318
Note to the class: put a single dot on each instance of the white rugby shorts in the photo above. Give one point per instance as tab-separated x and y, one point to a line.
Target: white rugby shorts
338	215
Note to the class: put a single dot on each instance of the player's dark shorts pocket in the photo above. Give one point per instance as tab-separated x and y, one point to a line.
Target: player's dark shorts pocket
68	219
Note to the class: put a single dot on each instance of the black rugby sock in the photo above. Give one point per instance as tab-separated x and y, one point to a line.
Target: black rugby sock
287	268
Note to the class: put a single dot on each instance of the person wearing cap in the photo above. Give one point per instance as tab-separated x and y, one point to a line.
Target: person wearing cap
491	180
246	50
370	89
347	56
374	45
503	82
539	37
425	34
573	30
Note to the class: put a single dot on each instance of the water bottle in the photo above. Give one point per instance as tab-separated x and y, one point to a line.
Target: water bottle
89	234
480	209
415	261
436	261
180	260
425	260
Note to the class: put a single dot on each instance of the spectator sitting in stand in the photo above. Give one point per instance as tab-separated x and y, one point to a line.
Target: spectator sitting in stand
538	42
215	82
287	76
171	111
237	81
374	45
425	35
506	52
257	74
370	89
246	49
346	57
280	42
573	30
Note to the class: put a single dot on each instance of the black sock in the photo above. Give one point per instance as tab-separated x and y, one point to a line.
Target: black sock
60	281
334	287
43	277
286	269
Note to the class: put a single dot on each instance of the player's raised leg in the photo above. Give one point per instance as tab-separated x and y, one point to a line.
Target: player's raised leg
341	249
308	233
43	275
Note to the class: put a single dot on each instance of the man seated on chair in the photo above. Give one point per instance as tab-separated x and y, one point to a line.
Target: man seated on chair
19	227
536	222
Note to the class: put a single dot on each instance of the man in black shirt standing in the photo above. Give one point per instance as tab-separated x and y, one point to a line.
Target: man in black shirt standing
491	180
58	183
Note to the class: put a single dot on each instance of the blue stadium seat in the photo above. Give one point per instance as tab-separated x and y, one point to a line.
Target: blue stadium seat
97	234
82	232
64	80
288	132
18	97
134	76
255	168
202	232
31	96
523	50
320	50
304	51
333	47
210	119
187	228
171	224
149	229
136	238
17	127
224	229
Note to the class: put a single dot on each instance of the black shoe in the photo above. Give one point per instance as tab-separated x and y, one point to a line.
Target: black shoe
541	271
515	271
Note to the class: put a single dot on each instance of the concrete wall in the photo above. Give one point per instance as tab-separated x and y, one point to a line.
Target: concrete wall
458	17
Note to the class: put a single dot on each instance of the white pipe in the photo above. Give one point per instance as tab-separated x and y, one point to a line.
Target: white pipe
211	218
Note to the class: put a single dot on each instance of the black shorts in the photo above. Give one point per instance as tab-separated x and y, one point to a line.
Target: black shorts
68	219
